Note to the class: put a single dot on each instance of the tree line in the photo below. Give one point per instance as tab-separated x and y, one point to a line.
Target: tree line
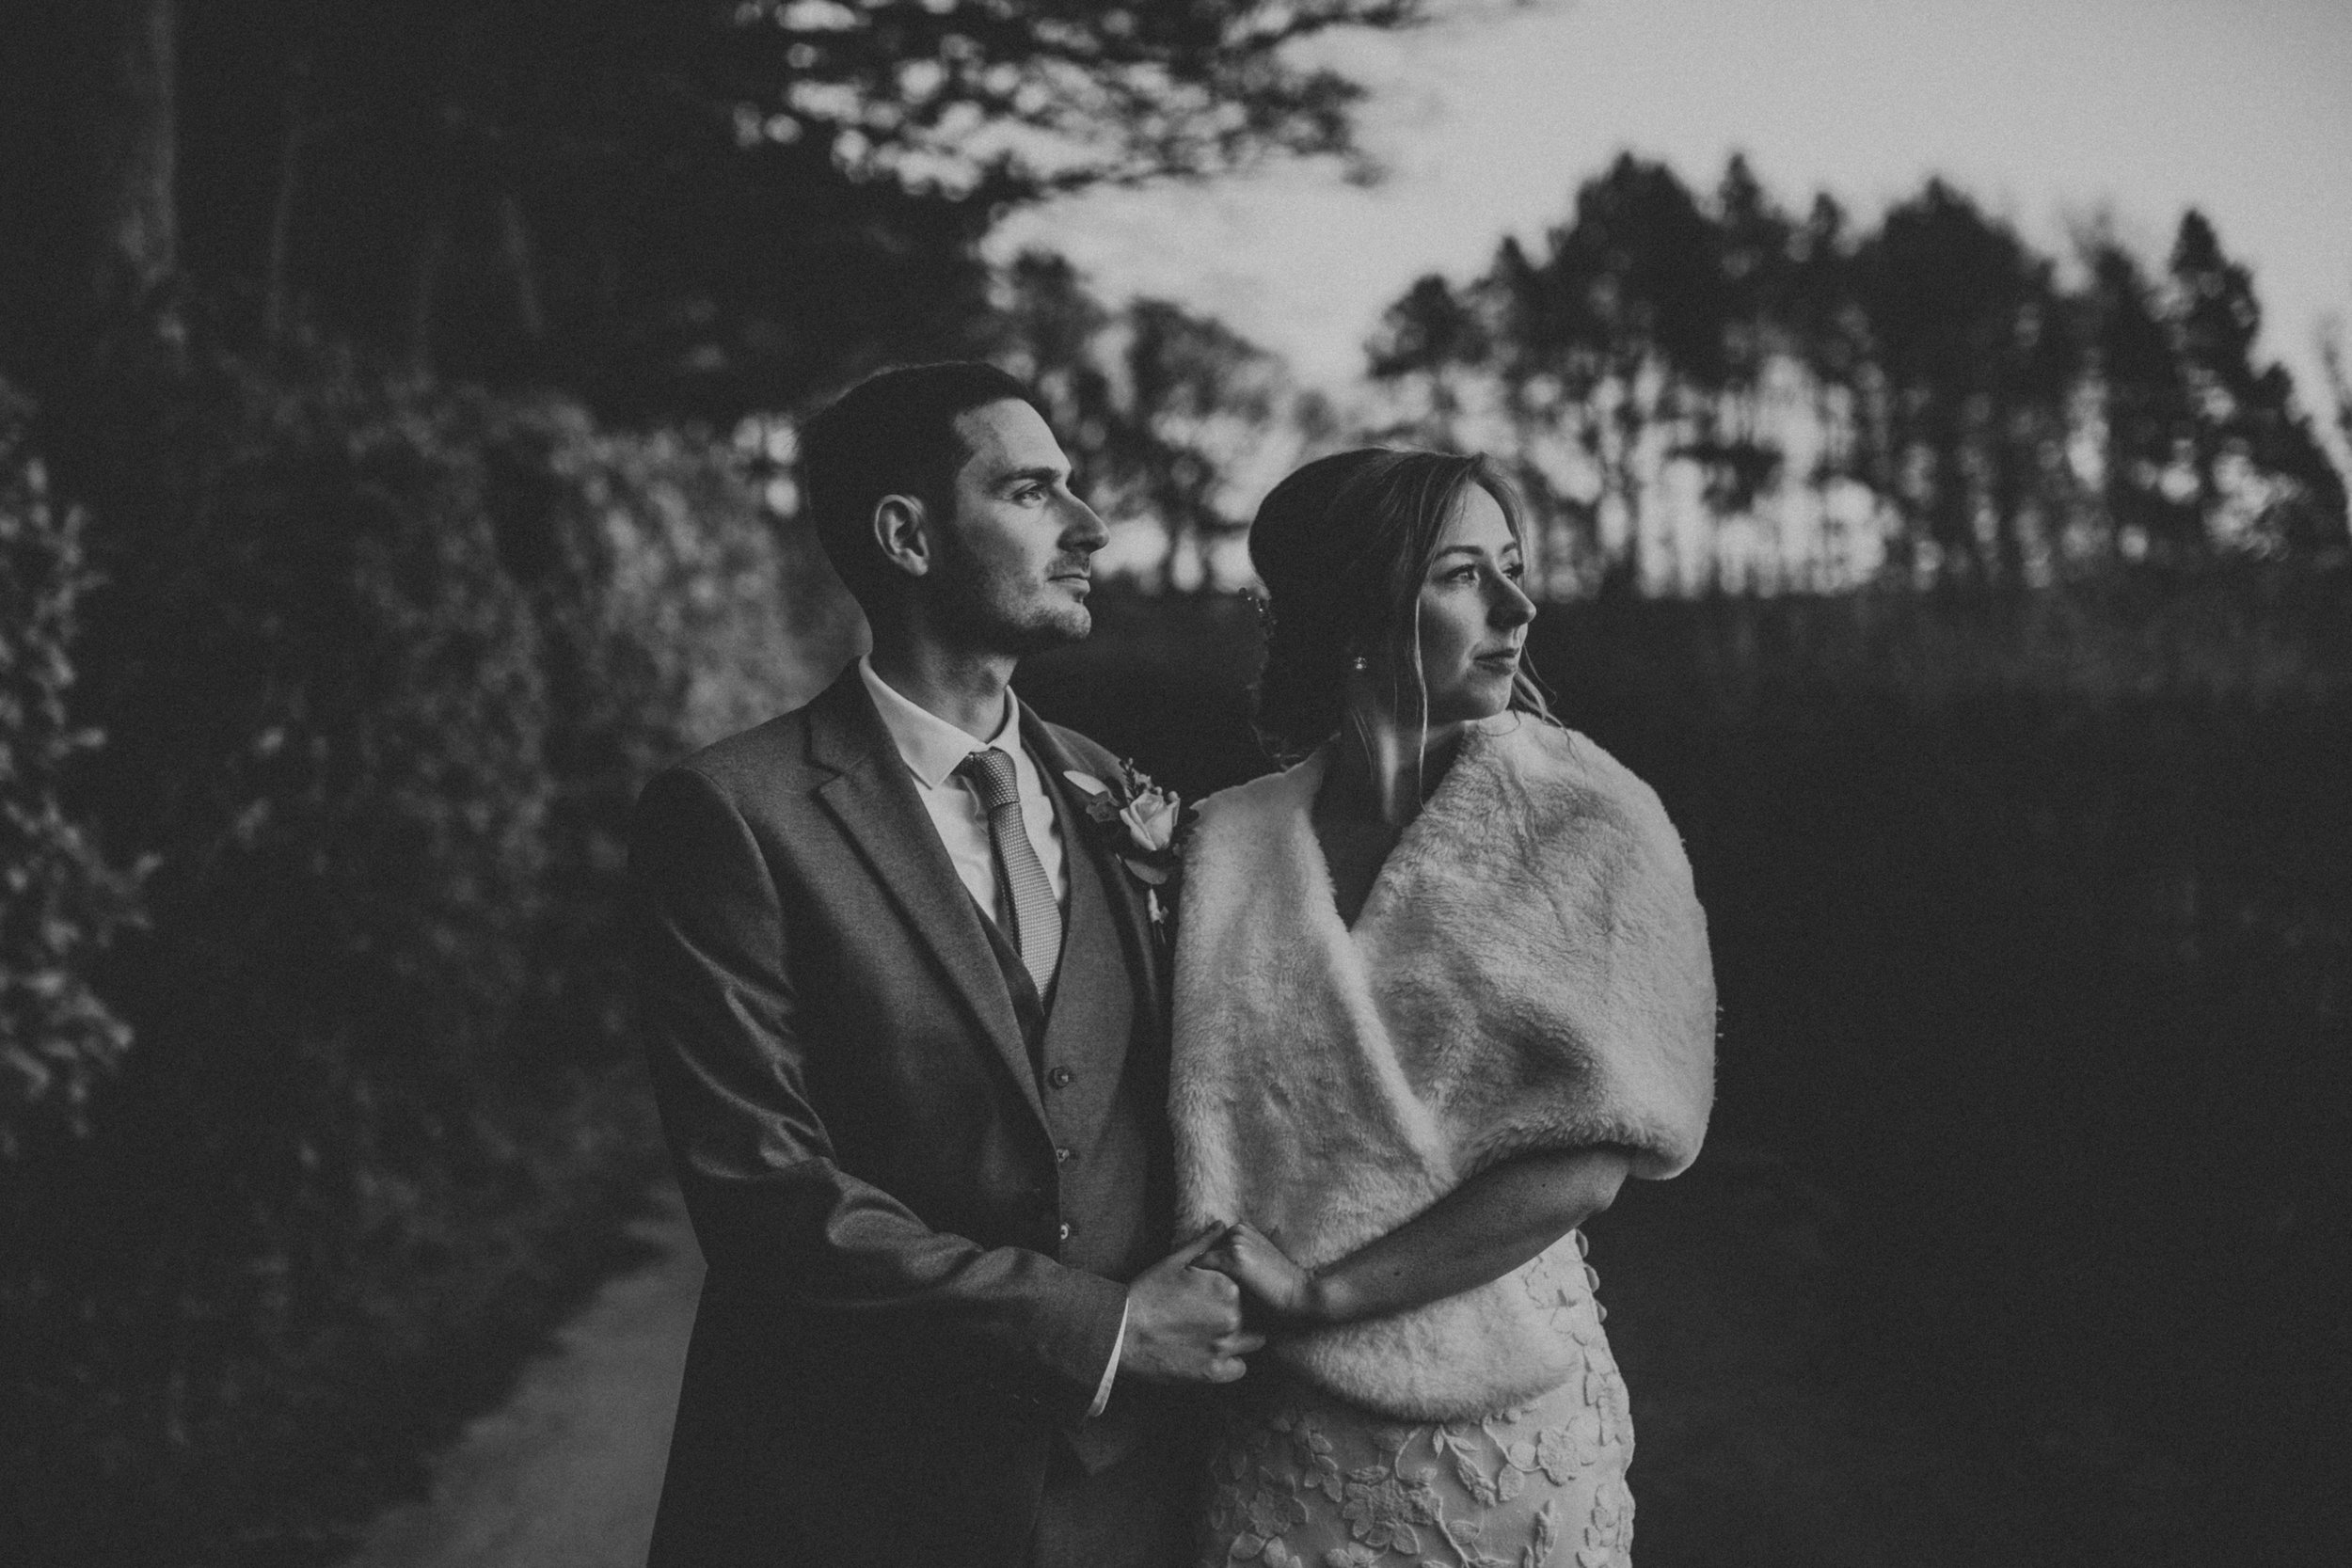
1701	388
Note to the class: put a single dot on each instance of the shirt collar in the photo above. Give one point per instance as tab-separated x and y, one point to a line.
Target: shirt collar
933	748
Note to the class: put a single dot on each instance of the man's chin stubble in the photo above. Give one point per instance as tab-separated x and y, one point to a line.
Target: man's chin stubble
1057	630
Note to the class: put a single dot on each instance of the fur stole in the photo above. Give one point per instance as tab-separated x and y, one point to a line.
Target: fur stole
1530	972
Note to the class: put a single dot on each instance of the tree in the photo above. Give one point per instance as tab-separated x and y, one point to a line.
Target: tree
699	207
1592	340
1829	340
1552	455
2262	481
1731	439
60	899
1639	289
2147	416
1436	354
1430	336
1968	341
2339	383
1176	423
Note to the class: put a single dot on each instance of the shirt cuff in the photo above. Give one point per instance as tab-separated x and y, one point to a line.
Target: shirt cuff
1103	1391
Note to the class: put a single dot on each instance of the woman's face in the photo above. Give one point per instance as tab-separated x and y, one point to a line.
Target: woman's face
1473	614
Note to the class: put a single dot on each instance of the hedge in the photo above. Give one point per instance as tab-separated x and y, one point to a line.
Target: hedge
382	663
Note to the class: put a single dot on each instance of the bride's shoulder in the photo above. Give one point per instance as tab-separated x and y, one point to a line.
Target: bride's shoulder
1261	805
1572	771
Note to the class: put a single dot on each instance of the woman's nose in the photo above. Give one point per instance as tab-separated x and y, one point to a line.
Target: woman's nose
1512	607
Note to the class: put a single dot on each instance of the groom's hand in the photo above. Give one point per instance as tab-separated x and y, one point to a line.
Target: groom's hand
1275	1292
1184	1324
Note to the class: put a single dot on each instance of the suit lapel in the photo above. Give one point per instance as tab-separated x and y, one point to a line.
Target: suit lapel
1083	839
873	800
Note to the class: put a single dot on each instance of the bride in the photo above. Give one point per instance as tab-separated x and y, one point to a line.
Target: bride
1441	987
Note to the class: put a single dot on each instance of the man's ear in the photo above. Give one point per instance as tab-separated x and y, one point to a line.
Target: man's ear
902	533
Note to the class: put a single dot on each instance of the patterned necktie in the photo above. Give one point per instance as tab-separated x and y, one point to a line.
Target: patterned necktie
1036	917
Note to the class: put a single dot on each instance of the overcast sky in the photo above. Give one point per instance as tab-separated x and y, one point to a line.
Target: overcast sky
2045	111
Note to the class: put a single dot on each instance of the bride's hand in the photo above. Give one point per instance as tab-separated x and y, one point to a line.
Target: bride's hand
1264	1272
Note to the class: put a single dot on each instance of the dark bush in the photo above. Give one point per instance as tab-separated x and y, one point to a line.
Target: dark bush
61	900
385	669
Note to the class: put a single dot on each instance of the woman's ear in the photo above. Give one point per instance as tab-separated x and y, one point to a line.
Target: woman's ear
902	534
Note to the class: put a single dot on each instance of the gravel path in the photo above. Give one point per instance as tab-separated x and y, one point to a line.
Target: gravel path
566	1473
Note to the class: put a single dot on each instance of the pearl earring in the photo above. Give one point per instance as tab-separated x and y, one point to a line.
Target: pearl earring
1359	664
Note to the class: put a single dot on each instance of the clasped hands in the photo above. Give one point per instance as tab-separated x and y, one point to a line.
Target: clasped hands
1185	1313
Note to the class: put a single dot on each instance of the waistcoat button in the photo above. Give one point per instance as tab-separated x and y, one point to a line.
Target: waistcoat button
1068	1231
1060	1078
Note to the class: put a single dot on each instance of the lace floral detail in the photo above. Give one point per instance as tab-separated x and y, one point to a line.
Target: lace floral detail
1383	1510
1299	1477
1609	1530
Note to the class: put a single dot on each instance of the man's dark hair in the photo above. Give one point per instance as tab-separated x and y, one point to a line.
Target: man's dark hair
891	435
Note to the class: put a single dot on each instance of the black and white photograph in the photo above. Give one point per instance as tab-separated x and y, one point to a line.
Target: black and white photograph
1173	783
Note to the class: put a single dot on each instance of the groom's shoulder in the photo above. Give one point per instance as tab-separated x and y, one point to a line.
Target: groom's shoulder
762	751
767	757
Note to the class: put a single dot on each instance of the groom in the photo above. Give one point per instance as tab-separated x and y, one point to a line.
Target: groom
909	1038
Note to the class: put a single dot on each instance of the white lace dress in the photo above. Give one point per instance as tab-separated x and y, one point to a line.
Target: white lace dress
1528	973
1299	1477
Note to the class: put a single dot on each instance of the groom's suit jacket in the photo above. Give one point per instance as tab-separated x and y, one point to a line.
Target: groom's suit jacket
917	1189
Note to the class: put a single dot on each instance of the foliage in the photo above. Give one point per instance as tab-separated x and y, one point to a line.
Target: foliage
705	207
1704	392
2339	383
1176	424
60	899
382	686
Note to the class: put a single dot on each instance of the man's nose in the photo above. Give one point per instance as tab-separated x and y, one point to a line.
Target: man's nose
1085	529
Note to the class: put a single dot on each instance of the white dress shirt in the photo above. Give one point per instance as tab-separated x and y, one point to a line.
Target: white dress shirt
932	750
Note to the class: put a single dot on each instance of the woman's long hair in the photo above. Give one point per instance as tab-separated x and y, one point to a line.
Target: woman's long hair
1342	546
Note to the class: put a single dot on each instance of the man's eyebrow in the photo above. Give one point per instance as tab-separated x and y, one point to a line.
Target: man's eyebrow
1048	474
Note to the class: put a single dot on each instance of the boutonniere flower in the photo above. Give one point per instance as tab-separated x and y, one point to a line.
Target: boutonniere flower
1147	826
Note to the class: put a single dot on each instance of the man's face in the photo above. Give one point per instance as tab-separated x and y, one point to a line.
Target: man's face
1014	557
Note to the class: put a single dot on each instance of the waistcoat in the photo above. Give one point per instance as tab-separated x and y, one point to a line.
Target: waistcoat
1095	1070
1104	1087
